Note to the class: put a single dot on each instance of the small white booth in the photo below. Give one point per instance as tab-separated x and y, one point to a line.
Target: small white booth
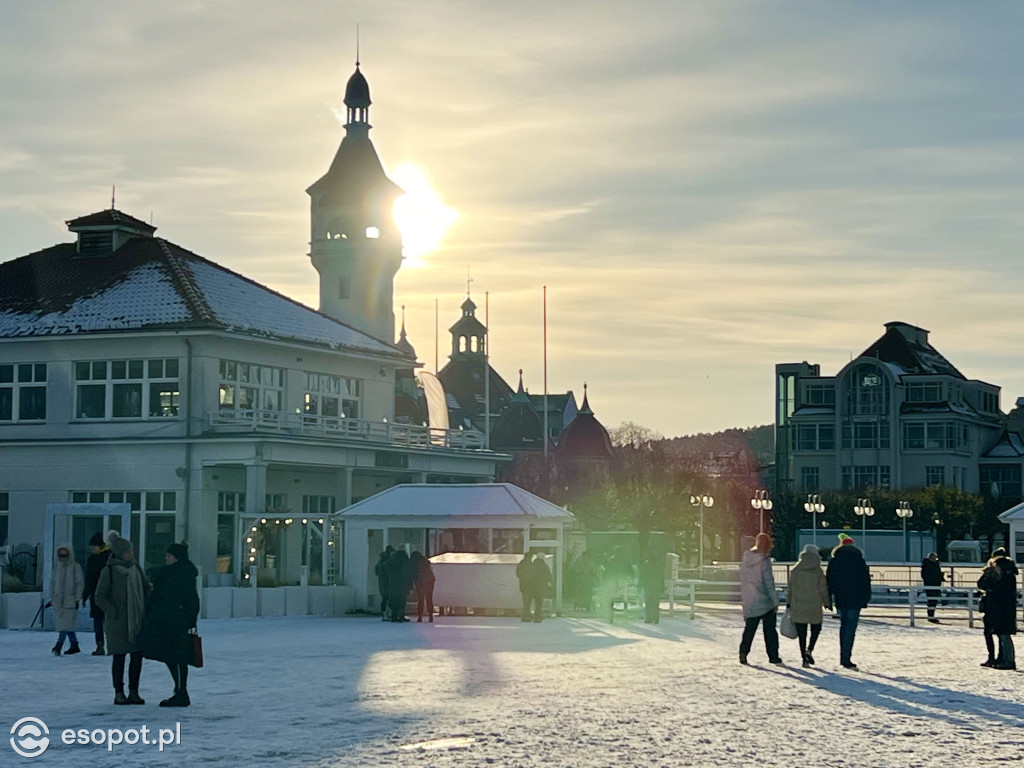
1014	517
479	519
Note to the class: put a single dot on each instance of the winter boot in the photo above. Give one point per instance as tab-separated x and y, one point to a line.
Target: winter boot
743	658
73	649
134	698
56	650
120	698
99	651
179	699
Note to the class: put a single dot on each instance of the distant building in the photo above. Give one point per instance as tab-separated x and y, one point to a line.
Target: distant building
899	415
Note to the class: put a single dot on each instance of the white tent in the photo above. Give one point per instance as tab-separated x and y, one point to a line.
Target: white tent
1014	517
434	519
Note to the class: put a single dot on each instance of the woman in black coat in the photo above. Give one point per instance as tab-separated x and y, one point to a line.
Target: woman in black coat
172	611
999	581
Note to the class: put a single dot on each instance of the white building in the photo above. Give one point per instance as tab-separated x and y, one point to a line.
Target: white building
133	370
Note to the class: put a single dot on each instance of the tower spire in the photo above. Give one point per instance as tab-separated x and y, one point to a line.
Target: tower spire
357	46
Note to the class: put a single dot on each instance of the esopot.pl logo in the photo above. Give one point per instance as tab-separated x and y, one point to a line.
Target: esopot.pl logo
30	737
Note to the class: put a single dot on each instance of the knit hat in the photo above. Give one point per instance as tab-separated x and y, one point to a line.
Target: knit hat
811	549
180	551
96	540
845	539
118	545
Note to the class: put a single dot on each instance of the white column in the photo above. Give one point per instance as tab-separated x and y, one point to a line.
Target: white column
256	488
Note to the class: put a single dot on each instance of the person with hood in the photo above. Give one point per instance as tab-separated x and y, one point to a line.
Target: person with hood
98	557
423	578
760	600
65	592
381	570
399	584
170	616
523	574
808	594
652	580
849	583
932	576
121	594
999	581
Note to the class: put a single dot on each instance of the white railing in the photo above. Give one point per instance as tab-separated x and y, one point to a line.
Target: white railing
360	430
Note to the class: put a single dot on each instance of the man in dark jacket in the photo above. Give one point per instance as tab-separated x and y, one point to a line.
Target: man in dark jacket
931	576
523	574
171	613
381	569
849	583
98	558
539	584
652	579
399	584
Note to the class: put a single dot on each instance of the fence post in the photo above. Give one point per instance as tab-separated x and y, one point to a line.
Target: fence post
671	596
693	600
912	597
970	608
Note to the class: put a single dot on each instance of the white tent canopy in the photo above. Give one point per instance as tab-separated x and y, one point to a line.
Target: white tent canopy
1014	517
482	518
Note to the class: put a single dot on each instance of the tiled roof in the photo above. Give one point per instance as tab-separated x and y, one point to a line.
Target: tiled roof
110	216
152	284
909	356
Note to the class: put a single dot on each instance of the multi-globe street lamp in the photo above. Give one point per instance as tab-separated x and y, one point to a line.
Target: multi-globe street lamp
814	506
903	511
864	510
762	504
702	501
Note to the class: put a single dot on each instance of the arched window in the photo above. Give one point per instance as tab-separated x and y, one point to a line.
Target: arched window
867	391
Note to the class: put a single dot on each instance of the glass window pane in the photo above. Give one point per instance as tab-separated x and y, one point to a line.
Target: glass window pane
81	372
159	533
152	500
134	498
97	497
227	396
135	369
119	369
91	401
163	399
6	403
116	497
127	401
40	371
78	497
243	373
99	371
246	397
168	501
156	369
24	373
171	367
32	403
7	374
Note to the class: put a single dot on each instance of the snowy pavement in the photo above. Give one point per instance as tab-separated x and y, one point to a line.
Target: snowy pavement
470	691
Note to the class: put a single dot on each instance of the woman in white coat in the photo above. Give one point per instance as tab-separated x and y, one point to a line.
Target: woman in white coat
808	594
760	601
66	586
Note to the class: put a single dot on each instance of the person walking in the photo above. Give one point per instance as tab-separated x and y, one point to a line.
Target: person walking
171	614
652	580
808	594
999	581
423	580
849	583
932	578
539	585
121	594
588	575
99	554
66	585
381	569
523	574
399	584
760	600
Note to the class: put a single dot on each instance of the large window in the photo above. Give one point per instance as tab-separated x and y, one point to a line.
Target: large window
935	475
872	435
867	391
861	478
810	479
153	520
820	394
23	392
250	387
990	402
925	392
814	437
935	436
127	389
332	396
1004	481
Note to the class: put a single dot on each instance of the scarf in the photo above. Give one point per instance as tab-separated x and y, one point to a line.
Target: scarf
135	597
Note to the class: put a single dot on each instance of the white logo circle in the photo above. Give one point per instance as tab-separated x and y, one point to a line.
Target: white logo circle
30	737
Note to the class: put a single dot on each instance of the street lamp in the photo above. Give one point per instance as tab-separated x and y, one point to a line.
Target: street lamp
904	511
702	502
814	506
762	504
864	510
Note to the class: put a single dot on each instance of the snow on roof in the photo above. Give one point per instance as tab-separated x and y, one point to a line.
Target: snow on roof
1009	446
1013	513
457	501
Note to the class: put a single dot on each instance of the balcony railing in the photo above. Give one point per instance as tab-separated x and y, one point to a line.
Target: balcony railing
353	430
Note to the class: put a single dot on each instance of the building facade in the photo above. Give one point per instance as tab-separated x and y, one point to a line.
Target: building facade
899	415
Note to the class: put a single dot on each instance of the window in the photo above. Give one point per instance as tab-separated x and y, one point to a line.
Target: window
867	435
810	479
250	387
153	520
127	389
1003	481
990	402
814	437
867	391
318	506
332	396
934	475
860	478
23	392
930	392
820	394
5	507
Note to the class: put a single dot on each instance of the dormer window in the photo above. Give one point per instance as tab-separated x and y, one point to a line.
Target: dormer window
93	245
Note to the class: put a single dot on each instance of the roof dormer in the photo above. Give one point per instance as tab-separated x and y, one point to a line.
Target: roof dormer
102	233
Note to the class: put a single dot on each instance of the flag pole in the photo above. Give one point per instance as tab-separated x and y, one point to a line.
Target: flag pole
546	431
487	369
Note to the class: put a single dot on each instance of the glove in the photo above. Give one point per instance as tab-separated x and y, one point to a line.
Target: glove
48	605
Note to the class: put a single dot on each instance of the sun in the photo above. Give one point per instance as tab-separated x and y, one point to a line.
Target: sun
420	214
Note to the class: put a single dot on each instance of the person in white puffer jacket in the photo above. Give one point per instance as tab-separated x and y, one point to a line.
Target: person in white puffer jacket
760	601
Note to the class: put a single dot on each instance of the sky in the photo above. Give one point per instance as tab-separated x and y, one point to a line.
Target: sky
705	188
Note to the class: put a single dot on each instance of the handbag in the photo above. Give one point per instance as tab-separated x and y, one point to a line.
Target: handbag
195	649
787	627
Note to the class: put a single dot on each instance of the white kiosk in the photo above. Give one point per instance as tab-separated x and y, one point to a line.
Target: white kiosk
1014	517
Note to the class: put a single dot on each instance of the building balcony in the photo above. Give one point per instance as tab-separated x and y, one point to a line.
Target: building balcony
382	433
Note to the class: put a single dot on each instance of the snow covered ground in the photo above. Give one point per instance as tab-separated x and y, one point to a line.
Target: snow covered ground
470	691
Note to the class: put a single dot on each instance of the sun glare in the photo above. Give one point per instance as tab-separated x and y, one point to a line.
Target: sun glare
421	216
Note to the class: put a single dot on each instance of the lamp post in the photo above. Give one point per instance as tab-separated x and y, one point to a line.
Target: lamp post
864	510
814	506
702	502
903	511
762	504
